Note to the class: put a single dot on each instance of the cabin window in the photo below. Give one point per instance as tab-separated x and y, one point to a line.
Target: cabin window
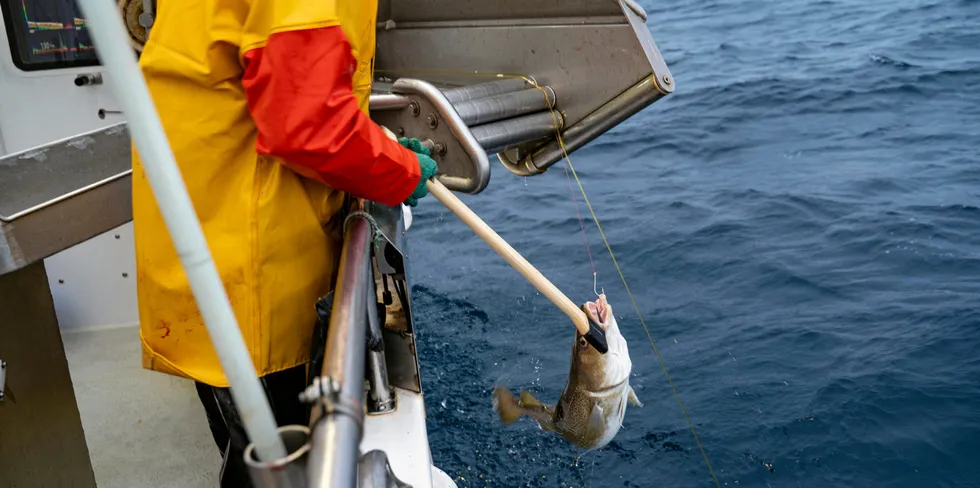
47	34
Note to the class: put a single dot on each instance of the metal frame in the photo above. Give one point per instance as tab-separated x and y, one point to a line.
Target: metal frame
598	57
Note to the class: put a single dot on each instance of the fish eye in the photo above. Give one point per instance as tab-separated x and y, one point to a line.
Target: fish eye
582	342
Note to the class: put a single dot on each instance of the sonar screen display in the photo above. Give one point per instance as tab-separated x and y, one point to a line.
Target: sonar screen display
47	34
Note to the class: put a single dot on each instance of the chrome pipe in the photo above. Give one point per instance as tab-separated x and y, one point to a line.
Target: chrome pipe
488	89
288	472
498	136
339	412
380	397
606	117
505	106
387	102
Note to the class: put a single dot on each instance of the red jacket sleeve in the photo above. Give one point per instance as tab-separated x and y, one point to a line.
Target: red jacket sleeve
300	93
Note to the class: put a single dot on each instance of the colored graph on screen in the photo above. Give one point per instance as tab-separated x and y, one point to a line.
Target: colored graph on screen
55	31
35	25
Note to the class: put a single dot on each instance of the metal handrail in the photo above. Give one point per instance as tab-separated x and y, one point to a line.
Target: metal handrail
338	414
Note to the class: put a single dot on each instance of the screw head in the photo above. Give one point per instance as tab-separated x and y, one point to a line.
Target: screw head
416	110
433	121
440	148
666	79
400	131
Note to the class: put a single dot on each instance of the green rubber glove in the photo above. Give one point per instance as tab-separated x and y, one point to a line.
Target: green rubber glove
426	164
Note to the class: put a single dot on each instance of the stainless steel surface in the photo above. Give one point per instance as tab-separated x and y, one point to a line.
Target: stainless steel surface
337	432
403	363
388	249
611	114
49	174
487	89
42	442
591	52
288	472
398	331
504	106
380	398
500	135
63	193
374	471
464	166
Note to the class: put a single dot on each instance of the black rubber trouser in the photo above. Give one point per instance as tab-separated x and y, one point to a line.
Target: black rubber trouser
281	388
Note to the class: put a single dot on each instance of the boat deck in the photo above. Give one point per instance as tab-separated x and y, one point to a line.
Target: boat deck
143	428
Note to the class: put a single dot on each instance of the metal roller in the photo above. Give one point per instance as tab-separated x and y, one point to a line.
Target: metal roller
505	106
488	89
499	135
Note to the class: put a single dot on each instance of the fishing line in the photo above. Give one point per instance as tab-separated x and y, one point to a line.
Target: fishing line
595	218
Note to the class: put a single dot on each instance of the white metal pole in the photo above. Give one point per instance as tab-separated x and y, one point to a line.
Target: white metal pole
112	46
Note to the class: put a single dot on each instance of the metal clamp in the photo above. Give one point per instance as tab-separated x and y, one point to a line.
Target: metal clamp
325	392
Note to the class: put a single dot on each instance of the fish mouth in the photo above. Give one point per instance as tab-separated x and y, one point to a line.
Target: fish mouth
597	311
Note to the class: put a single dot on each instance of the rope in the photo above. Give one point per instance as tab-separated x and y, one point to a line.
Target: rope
585	197
377	237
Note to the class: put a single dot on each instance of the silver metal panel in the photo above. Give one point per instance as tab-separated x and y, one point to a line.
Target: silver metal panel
448	10
590	52
61	194
46	175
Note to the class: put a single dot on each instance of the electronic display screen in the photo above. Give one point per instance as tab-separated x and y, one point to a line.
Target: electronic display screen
47	34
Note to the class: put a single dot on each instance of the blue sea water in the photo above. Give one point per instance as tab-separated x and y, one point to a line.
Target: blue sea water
800	225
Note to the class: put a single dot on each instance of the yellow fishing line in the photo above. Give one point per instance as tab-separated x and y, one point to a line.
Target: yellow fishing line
595	218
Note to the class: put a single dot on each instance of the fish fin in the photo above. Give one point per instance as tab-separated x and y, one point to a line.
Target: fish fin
597	421
532	407
633	399
528	400
506	405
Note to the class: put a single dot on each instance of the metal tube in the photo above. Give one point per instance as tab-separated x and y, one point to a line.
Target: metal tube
490	88
497	136
288	472
337	435
609	115
380	397
181	221
505	106
387	102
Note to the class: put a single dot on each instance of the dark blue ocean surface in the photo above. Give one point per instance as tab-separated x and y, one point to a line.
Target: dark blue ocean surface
800	225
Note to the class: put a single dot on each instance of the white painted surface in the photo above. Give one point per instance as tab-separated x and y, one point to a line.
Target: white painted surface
94	283
40	107
402	436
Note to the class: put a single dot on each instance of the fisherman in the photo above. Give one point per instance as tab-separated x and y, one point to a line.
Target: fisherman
265	105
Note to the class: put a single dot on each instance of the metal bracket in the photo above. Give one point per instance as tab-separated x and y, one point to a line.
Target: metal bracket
418	109
374	471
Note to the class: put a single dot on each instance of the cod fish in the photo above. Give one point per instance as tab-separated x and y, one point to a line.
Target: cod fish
590	410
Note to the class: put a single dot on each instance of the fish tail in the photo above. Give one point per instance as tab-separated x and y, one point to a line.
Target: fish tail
528	400
506	405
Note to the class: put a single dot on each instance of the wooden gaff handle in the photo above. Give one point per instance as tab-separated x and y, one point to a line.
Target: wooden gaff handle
504	249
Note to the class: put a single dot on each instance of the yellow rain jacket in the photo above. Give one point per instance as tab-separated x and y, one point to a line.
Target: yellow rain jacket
265	106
